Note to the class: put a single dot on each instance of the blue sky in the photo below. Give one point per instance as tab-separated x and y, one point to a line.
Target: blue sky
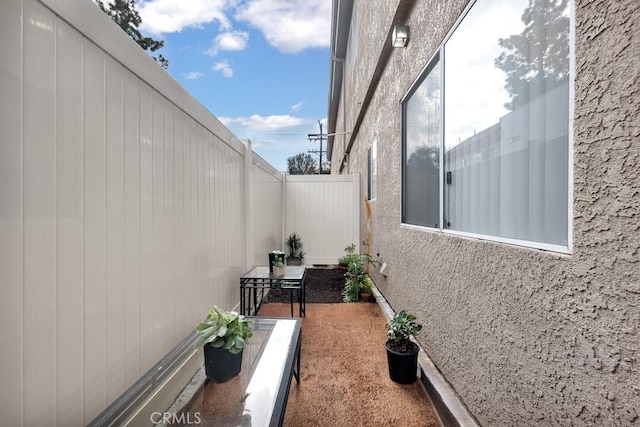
260	66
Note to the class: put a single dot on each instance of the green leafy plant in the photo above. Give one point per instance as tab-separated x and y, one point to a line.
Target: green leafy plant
400	329
356	276
294	245
277	262
366	285
224	329
276	258
351	291
344	260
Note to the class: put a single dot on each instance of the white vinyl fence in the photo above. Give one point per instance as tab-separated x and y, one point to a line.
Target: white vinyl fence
122	215
126	211
265	209
324	211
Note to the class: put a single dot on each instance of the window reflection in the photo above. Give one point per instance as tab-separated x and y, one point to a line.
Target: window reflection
421	167
506	121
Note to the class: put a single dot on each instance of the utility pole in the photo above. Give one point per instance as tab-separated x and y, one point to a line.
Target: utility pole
321	137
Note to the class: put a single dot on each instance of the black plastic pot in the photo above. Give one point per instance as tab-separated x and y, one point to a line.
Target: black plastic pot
220	365
402	366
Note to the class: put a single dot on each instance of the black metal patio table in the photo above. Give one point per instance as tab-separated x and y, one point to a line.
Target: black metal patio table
259	279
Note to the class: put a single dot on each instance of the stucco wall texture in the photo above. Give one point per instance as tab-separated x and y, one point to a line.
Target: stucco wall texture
526	337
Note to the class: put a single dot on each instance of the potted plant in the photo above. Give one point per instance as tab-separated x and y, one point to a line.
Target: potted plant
366	289
278	267
223	334
351	290
345	260
402	353
294	246
273	256
356	276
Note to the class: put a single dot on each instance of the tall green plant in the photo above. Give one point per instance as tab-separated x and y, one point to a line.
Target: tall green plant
351	291
294	245
356	276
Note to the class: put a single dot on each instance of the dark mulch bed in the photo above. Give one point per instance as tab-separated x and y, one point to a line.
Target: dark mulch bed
324	285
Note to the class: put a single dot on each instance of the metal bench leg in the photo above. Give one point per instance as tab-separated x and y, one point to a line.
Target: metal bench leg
291	300
296	371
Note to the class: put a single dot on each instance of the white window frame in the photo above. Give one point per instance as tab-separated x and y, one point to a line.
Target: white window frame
561	249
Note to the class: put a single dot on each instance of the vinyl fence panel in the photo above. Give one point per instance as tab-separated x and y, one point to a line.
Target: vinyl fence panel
324	211
126	211
122	212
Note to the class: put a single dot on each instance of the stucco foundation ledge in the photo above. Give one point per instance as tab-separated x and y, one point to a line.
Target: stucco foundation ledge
448	404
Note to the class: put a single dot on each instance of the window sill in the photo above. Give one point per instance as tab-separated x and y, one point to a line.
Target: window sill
546	247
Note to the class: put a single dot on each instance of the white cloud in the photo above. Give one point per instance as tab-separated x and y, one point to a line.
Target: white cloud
232	40
297	107
224	68
258	122
290	26
170	16
192	75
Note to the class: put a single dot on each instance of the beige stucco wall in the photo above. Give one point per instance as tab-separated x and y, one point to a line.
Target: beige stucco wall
526	337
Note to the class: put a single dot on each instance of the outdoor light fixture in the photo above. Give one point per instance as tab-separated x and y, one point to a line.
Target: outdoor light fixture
400	36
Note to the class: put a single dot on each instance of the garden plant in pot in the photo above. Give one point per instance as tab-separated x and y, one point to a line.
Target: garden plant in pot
223	334
366	289
273	256
278	267
294	246
357	281
402	353
345	260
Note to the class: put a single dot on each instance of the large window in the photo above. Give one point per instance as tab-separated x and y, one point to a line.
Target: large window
505	127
